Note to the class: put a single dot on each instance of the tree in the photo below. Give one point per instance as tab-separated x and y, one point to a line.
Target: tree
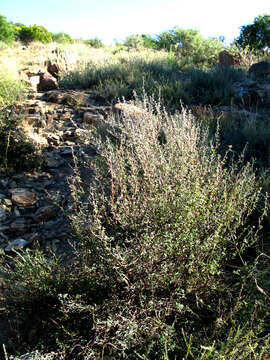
28	34
6	31
256	35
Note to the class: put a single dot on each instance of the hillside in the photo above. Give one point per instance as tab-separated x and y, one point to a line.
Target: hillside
133	203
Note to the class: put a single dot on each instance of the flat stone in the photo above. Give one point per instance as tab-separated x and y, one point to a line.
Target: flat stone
44	213
19	225
129	109
23	197
92	119
16	244
3	214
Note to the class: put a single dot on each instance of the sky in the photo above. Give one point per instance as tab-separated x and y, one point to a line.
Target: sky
115	20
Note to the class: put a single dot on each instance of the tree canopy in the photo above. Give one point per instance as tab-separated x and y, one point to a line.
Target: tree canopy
256	35
6	30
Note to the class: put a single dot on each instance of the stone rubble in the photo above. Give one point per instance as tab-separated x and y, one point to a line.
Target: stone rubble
32	205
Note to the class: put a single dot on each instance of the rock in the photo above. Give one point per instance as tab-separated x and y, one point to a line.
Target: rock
3	215
19	226
260	71
225	58
33	81
47	82
23	197
44	213
16	244
54	96
54	163
53	69
93	119
126	108
7	202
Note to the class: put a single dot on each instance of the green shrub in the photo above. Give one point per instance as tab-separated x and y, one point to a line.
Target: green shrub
6	31
191	47
96	43
140	40
118	76
11	89
256	35
61	38
28	34
213	87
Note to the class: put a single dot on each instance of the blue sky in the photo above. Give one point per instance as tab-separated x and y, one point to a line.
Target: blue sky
109	20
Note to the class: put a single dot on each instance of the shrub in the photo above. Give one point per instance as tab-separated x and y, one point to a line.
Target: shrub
212	87
61	38
11	88
191	47
28	34
164	217
96	43
6	31
140	40
117	76
158	229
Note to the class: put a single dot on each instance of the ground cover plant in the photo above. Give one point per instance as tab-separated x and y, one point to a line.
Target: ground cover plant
160	270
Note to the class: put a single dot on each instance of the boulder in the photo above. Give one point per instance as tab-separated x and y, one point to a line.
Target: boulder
16	245
92	119
23	197
53	69
126	108
260	71
225	58
47	82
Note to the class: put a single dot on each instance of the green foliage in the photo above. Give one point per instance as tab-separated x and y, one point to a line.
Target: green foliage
96	43
256	35
6	31
11	89
212	87
159	74
28	34
190	45
137	41
119	76
62	38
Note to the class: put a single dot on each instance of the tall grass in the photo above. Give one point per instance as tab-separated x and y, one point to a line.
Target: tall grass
11	88
115	76
160	230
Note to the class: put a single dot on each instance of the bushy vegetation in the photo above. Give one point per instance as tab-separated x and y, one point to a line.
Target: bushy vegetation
117	76
62	38
96	43
160	270
137	41
256	35
6	31
11	88
28	34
